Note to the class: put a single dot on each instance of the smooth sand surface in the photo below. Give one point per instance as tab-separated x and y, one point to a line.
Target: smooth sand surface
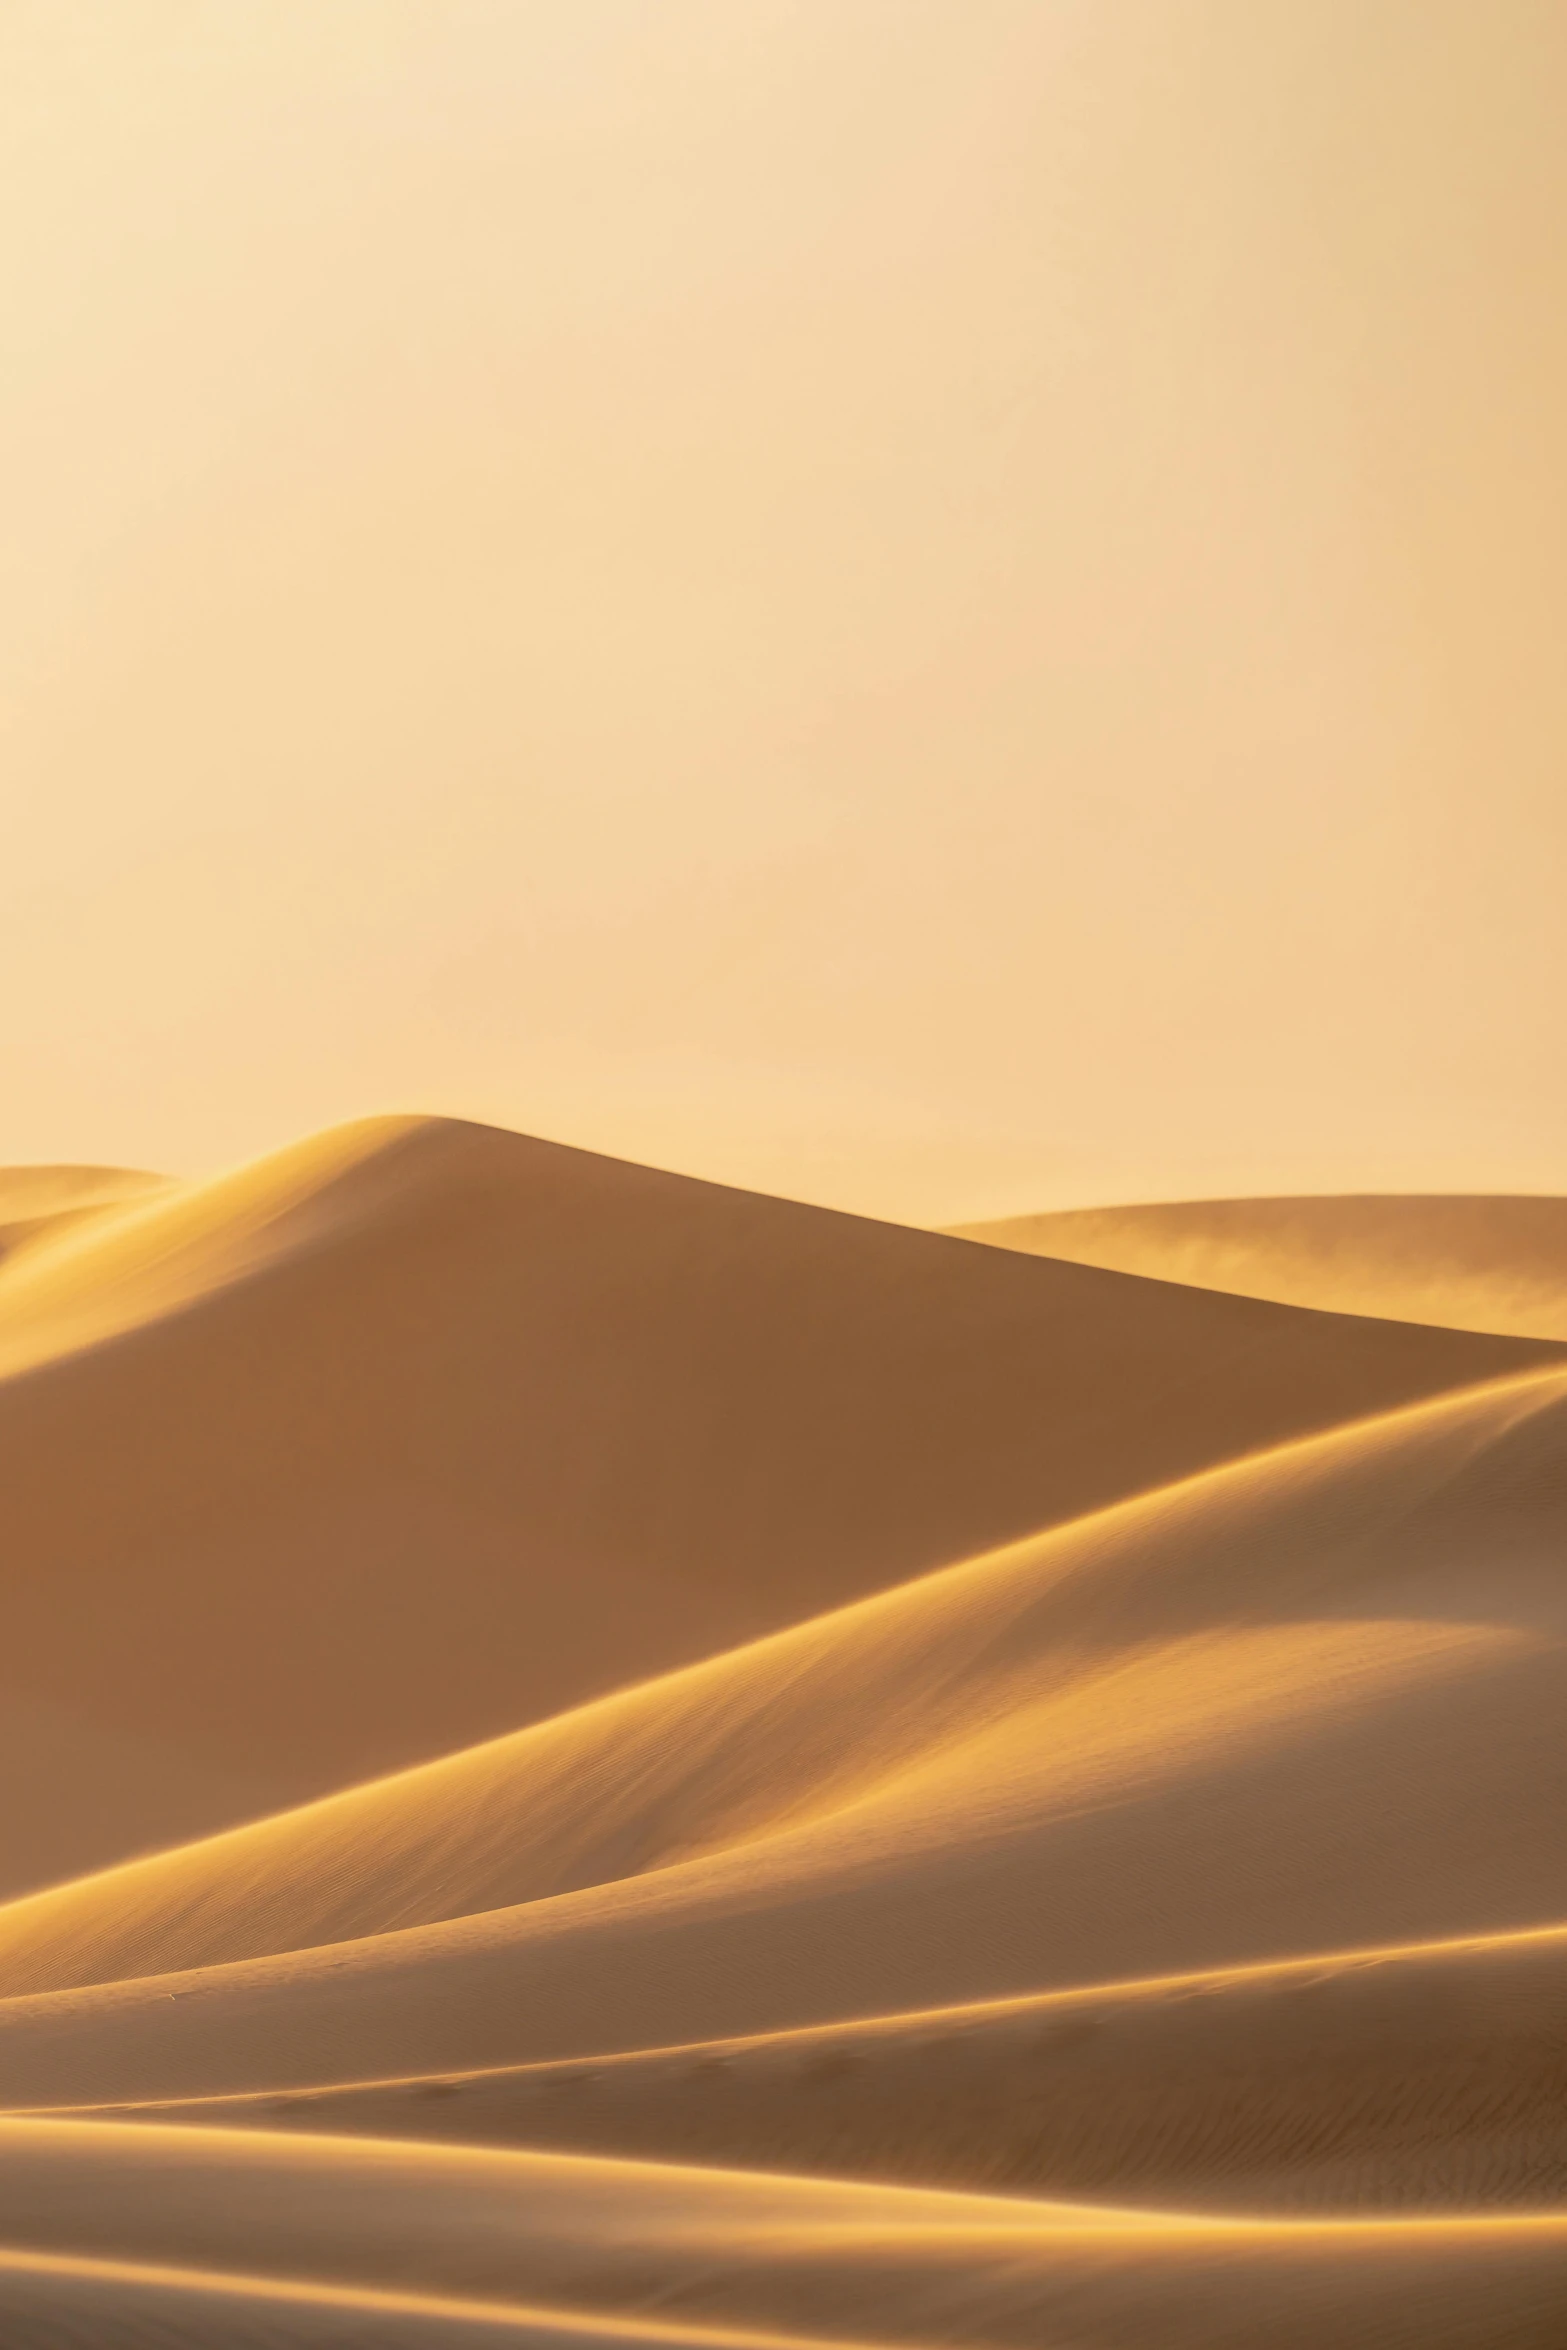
1275	2088
507	1425
736	2251
1466	1263
1032	1809
46	2303
41	1203
31	1193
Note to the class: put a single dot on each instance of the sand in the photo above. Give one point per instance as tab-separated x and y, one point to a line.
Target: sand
1461	1262
42	1203
601	1759
508	1425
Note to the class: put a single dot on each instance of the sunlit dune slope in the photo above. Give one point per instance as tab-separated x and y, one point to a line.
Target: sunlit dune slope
75	1783
28	1192
505	1424
1142	1934
1306	1701
816	2261
1469	1263
47	2302
1422	2078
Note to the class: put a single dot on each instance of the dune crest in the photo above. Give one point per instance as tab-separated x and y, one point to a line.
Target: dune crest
509	1425
1132	1644
708	2253
41	1203
1465	1263
734	1775
1078	1758
1281	2087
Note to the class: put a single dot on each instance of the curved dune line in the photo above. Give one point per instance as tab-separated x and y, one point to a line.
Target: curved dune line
1138	1639
1029	1772
1124	1937
221	2311
39	1205
46	1190
1464	1263
162	1245
509	1425
1308	1968
770	2253
1430	2075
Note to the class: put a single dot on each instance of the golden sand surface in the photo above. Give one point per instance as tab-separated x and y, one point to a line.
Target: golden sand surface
1456	1262
598	1759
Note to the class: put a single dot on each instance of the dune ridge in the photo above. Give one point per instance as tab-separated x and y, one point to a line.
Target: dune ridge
1275	2088
510	1425
824	2261
33	1193
1032	1808
1131	1715
1463	1262
1139	1628
50	2300
42	1203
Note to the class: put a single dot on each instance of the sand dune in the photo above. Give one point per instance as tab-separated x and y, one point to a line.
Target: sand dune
818	2261
507	1424
1028	1804
1140	1744
1428	2077
30	1194
46	2302
39	1203
1467	1263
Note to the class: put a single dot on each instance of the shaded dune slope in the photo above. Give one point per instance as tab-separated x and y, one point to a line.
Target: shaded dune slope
1469	1263
39	1203
46	2302
561	2239
1148	1932
1410	2079
1300	1702
507	1424
29	1194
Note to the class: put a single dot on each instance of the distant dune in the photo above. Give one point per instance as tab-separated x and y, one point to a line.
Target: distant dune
385	2238
741	1775
38	1203
505	1425
1469	1264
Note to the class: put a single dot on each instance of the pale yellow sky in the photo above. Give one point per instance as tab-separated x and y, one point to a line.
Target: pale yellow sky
946	608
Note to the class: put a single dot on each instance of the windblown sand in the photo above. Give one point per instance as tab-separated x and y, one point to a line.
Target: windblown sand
601	1760
1455	1261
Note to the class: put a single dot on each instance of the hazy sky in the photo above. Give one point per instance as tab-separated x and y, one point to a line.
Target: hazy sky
942	605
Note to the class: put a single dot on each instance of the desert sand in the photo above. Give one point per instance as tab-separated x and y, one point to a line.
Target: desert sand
1461	1263
508	1425
599	1759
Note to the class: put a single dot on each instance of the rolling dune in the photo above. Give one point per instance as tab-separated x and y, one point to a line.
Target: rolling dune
41	1203
1465	1263
33	1193
509	1425
734	2251
1142	1744
1027	1803
46	2302
1421	2078
1284	1597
